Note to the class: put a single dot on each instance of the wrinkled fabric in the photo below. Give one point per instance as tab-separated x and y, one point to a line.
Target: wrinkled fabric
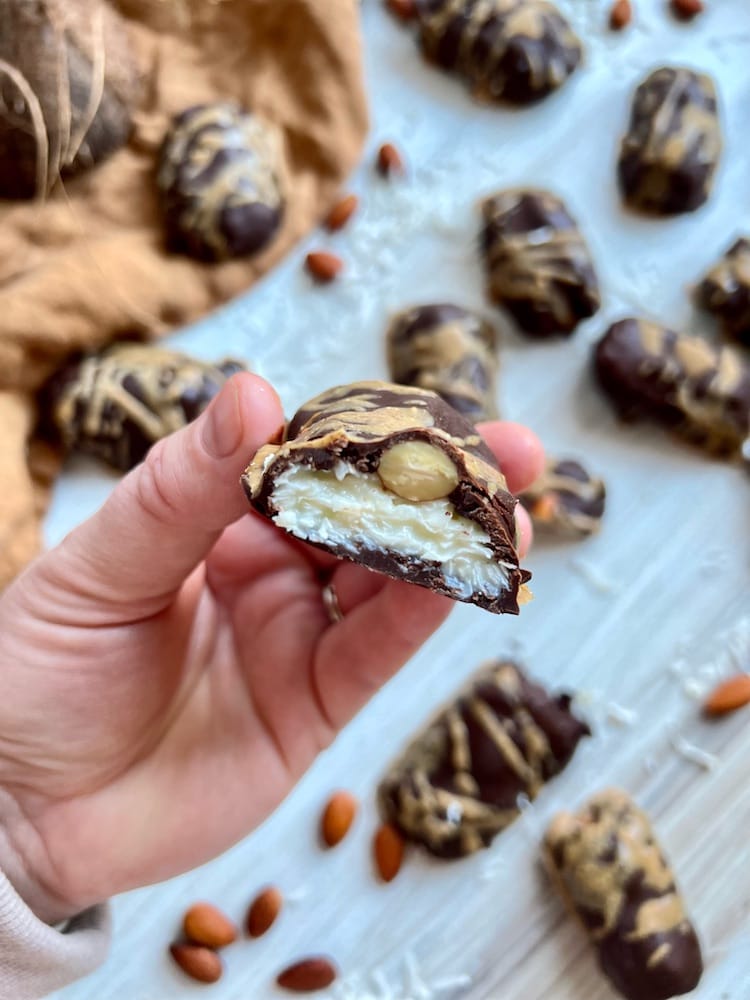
89	265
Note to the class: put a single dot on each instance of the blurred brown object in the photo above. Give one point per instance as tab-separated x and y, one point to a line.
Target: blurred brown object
89	264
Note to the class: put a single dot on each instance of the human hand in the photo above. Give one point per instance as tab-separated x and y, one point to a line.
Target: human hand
170	669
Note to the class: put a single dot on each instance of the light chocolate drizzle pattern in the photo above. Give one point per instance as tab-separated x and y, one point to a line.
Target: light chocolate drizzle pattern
117	403
612	873
449	350
566	499
725	291
538	264
215	161
507	50
702	389
372	412
457	784
672	147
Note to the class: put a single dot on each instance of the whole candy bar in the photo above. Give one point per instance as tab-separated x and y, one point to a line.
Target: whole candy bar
449	350
671	150
395	479
116	404
516	51
613	875
538	265
457	785
566	499
221	180
725	291
684	382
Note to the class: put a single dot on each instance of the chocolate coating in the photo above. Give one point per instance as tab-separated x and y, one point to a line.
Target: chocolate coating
684	382
116	404
516	51
670	152
611	872
356	424
457	784
221	179
725	291
566	500
449	350
538	264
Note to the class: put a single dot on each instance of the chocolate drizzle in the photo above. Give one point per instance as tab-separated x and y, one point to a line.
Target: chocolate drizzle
457	784
566	499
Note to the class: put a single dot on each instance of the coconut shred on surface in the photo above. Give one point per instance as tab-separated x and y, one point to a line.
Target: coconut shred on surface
352	510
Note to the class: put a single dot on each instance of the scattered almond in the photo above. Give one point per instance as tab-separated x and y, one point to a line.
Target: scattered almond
341	212
545	508
263	911
390	160
323	266
338	817
730	695
405	10
197	961
686	9
388	849
308	975
205	924
620	15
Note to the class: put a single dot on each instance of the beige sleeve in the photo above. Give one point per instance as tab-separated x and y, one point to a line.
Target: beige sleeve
36	958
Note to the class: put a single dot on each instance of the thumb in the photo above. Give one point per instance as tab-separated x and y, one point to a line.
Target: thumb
165	516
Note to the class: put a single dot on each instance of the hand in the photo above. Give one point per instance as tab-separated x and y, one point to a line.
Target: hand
169	670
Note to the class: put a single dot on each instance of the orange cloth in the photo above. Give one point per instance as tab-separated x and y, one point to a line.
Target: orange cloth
89	265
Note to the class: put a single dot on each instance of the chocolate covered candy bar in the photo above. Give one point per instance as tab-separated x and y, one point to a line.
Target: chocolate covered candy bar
221	181
457	785
516	51
725	291
613	875
395	479
566	499
449	350
538	265
671	150
116	404
684	382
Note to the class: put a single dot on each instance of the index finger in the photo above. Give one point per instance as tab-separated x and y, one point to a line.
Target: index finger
518	450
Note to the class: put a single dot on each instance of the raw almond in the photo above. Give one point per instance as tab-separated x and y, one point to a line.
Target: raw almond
308	975
338	817
323	266
389	160
205	924
620	15
263	911
197	961
687	9
388	849
728	696
341	212
405	10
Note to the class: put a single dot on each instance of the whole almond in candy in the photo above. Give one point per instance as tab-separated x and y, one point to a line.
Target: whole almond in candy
389	160
263	911
620	15
308	975
687	9
405	10
730	695
338	817
388	850
197	961
342	211
205	924
323	266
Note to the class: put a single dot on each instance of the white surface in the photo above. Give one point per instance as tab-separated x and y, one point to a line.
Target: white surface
640	620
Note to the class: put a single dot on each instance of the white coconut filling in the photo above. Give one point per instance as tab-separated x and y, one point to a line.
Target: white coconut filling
350	510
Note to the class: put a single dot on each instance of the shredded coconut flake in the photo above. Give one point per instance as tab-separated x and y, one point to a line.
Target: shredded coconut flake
594	577
621	715
695	754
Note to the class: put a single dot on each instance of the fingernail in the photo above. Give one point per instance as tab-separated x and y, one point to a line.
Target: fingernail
222	427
